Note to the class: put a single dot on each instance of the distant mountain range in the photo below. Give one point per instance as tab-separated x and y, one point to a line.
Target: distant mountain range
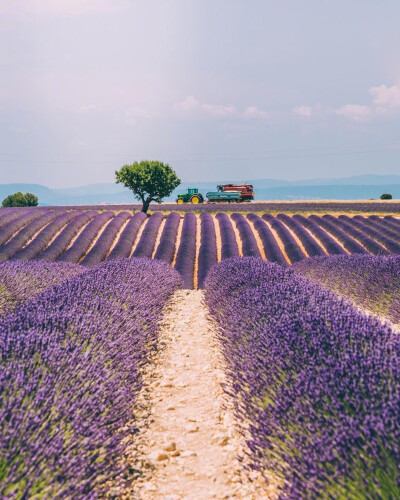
347	188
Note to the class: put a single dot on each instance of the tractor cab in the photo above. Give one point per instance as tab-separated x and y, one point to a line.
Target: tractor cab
192	196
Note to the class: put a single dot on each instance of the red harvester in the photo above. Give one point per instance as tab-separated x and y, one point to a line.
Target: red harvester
246	190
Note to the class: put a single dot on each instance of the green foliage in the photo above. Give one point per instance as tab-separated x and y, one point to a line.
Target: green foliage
386	196
20	200
149	181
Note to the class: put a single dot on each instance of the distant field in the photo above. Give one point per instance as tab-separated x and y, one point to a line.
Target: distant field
193	242
389	207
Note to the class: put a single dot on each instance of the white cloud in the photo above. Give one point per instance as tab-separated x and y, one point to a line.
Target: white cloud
386	98
355	112
192	105
303	110
254	112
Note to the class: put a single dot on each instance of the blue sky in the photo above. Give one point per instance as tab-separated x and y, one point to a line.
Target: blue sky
219	89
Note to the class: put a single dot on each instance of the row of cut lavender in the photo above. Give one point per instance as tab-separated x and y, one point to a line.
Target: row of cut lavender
70	372
275	206
317	382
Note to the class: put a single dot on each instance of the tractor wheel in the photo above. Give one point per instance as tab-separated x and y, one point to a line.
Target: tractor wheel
195	199
180	201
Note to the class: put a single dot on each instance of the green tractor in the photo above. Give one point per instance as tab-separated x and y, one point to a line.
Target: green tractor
192	196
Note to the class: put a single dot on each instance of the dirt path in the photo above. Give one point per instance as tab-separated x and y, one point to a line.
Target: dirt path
190	446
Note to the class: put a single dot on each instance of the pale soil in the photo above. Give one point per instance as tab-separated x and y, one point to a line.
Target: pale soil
190	447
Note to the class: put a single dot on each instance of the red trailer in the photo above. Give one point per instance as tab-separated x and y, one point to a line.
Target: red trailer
246	190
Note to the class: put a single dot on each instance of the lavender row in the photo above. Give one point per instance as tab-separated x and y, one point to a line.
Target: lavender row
123	248
331	246
101	248
9	214
292	249
12	227
80	246
317	381
208	248
373	231
166	248
310	245
393	220
61	242
229	246
371	245
186	255
371	282
349	243
271	248
18	241
21	281
71	371
249	243
148	239
38	244
391	229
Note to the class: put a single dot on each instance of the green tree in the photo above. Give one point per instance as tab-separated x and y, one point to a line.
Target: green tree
20	200
149	181
386	196
31	200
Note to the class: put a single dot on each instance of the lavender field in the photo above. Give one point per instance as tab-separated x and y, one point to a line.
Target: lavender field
304	311
191	243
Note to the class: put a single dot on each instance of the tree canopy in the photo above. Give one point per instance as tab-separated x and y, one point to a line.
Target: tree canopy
20	200
386	196
149	181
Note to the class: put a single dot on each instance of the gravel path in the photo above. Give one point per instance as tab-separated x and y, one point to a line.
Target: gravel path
189	449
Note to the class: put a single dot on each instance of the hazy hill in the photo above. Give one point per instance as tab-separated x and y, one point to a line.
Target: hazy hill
349	188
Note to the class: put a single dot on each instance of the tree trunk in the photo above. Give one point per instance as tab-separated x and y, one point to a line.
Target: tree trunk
146	204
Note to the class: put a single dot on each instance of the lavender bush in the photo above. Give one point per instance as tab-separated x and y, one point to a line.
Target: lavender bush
166	249
18	241
377	233
349	243
371	245
71	363
310	245
292	249
82	243
39	243
148	239
21	281
393	220
331	246
123	248
271	248
101	248
318	381
13	226
229	246
9	214
371	282
249	243
186	255
208	248
61	242
390	228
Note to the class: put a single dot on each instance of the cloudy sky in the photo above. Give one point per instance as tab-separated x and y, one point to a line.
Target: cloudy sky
220	89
